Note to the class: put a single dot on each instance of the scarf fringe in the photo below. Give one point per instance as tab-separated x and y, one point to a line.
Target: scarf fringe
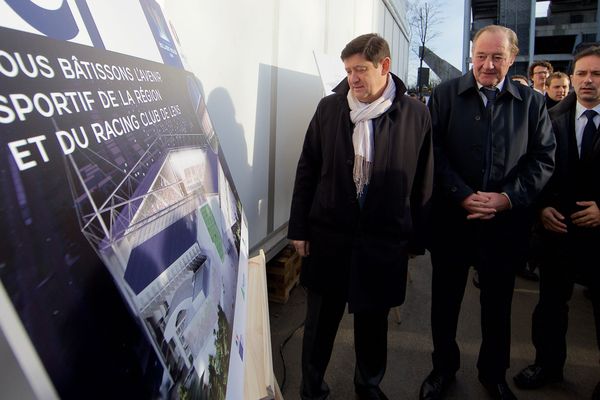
361	173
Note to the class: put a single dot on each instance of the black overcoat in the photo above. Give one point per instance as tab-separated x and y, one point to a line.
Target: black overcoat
574	179
520	154
354	252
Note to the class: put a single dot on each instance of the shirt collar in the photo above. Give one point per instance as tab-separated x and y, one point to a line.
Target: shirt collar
499	86
580	109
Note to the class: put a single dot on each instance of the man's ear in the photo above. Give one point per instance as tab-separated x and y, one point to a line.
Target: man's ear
512	60
386	64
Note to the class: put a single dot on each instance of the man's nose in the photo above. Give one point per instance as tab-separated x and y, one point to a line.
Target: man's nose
489	63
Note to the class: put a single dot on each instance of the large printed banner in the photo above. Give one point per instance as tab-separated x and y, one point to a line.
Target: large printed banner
124	245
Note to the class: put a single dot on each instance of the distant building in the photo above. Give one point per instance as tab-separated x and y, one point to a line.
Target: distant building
553	37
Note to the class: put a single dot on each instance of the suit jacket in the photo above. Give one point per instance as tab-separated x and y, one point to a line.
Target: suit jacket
354	252
514	154
574	179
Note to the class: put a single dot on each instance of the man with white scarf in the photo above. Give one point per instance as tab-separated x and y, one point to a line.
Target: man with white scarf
359	207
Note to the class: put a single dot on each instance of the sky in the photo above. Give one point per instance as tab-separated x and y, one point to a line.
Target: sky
448	43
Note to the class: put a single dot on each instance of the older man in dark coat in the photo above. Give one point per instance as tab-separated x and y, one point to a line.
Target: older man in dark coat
359	207
494	152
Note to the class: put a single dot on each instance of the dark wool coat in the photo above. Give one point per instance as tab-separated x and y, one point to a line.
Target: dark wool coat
354	252
574	179
520	160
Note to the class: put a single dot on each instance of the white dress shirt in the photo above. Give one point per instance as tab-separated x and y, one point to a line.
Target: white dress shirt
581	122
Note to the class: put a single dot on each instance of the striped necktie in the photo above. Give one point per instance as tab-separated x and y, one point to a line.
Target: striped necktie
490	95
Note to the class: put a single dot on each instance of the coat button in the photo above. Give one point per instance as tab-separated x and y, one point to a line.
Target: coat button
453	189
477	118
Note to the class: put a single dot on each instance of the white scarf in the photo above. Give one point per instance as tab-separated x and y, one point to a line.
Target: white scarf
361	115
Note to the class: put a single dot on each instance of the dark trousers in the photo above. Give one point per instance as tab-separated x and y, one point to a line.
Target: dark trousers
496	281
323	315
563	262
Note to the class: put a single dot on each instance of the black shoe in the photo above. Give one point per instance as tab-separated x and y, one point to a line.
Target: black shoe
528	274
499	391
319	393
596	394
435	385
375	393
534	377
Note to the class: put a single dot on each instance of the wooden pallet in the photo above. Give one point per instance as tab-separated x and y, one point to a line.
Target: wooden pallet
283	274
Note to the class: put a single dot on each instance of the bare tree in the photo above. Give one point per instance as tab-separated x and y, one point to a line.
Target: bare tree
423	16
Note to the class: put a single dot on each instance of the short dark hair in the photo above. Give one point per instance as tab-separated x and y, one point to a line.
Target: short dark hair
588	51
372	46
584	45
540	63
517	76
556	75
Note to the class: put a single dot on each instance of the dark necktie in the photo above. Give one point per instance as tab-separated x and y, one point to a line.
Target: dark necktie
490	94
587	141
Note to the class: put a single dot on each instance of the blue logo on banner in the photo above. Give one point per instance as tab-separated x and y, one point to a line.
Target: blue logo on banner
57	24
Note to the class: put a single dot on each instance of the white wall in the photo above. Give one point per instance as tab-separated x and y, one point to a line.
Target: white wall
255	61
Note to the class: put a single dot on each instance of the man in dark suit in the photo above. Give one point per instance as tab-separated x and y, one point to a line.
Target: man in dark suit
494	152
359	206
570	223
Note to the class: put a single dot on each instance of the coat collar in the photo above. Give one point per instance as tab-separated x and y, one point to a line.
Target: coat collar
565	105
467	83
343	87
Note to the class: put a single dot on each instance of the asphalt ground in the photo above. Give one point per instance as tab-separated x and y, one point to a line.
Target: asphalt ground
409	344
